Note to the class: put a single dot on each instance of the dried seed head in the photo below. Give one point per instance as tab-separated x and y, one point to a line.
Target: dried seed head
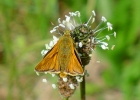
67	88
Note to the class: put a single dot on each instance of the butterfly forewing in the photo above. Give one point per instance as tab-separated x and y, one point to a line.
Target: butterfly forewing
49	63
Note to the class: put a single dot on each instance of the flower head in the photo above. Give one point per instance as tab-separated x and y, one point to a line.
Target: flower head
82	33
85	40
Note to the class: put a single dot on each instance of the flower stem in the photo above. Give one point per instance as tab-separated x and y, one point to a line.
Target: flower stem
82	89
65	98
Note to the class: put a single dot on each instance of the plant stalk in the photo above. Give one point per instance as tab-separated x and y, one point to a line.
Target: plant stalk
82	89
65	98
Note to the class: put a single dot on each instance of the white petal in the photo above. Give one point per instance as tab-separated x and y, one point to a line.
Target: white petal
93	19
51	44
79	79
54	86
53	75
80	44
43	52
107	36
51	31
115	34
104	47
71	86
78	13
113	46
67	18
73	14
62	25
47	46
65	79
69	25
104	43
94	13
44	80
70	13
59	21
37	73
103	19
55	27
55	38
109	25
63	22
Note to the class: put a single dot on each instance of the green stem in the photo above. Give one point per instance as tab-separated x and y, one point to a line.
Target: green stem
65	98
82	89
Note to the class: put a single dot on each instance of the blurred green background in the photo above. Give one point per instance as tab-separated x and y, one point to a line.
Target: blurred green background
24	29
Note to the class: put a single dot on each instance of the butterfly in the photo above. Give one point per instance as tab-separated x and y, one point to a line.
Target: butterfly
62	59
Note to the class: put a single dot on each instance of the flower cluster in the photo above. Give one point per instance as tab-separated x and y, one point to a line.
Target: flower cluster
85	39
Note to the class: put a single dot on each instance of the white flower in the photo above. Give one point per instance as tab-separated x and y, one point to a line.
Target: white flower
115	34
67	18
104	43
107	36
53	30
62	25
45	72
79	79
55	39
44	52
53	75
104	47
47	46
80	44
51	44
72	14
70	26
65	79
93	12
93	19
55	27
71	86
78	13
59	21
44	80
37	73
53	86
109	26
103	19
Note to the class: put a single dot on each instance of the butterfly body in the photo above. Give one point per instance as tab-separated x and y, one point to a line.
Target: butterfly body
62	58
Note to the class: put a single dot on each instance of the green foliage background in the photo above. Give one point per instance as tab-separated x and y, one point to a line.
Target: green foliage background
24	29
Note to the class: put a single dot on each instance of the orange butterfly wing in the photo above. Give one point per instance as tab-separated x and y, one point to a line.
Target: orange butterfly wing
74	67
49	63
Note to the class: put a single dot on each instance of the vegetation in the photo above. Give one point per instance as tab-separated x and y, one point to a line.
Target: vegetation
25	27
